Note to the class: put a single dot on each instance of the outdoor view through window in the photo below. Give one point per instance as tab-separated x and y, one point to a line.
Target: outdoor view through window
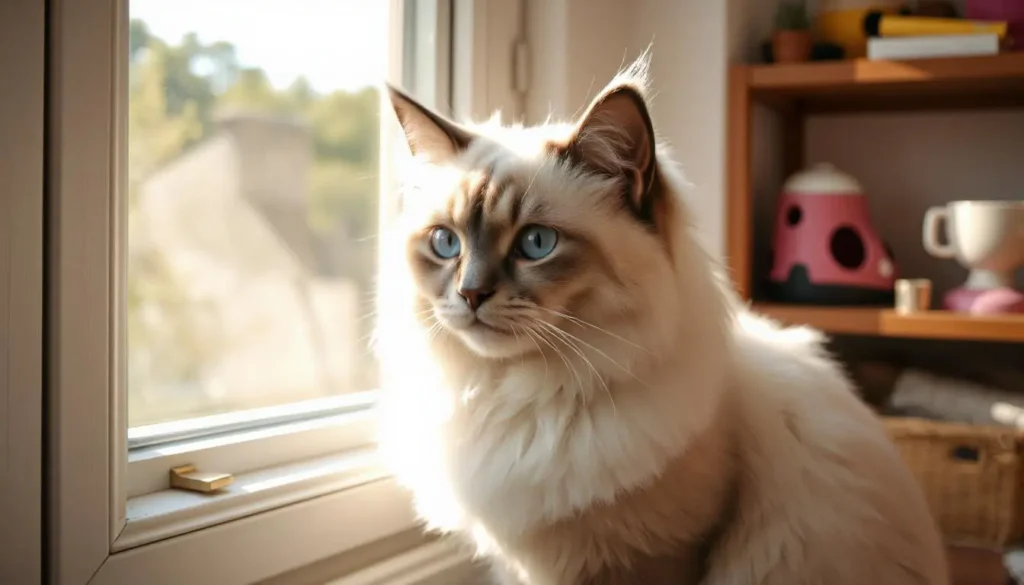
252	202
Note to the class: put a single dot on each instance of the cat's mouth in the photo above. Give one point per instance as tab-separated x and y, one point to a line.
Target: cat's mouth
471	322
481	325
485	337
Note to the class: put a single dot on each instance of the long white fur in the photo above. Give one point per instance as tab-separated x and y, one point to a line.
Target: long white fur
495	449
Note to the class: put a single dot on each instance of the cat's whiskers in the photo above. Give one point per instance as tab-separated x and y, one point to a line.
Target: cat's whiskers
583	323
375	313
539	335
601	353
522	357
594	372
369	336
436	329
534	178
567	341
526	331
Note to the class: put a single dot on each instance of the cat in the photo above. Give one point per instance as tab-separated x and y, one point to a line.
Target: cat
571	383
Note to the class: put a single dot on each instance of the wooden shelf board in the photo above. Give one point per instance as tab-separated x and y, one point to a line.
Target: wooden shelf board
887	323
860	84
849	320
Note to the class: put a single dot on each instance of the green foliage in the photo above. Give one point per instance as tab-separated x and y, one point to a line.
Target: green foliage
341	192
252	92
792	15
177	89
341	117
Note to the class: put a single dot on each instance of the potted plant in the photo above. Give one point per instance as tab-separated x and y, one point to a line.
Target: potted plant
791	41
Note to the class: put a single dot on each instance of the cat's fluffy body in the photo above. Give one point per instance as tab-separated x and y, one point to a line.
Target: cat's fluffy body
668	436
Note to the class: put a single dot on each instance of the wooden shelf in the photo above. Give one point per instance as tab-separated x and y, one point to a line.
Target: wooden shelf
798	90
888	323
860	84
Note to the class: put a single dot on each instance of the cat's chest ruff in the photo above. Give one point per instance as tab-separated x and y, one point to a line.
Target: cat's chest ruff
528	451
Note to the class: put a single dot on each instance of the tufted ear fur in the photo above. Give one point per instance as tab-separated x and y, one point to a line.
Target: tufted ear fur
430	135
615	137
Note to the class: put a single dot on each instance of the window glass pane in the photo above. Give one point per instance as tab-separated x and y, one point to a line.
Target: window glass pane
252	202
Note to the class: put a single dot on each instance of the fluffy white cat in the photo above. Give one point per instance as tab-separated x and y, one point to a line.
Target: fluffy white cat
572	386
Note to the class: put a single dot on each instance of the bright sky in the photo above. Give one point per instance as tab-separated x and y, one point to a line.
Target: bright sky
336	44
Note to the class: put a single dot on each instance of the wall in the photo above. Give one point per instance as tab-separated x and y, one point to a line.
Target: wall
575	47
908	163
689	68
578	45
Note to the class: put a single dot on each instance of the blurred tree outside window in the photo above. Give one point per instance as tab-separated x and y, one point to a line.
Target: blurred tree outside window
189	100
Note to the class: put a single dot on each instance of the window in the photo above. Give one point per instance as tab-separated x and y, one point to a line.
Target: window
250	205
216	173
215	177
22	25
252	209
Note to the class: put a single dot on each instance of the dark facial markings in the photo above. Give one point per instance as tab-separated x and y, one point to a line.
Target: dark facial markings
484	214
432	272
480	271
475	219
560	268
517	206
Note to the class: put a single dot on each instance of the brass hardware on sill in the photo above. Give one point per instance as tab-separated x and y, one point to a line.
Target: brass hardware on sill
186	477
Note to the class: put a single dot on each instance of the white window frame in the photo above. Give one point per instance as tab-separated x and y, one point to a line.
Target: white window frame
305	490
22	25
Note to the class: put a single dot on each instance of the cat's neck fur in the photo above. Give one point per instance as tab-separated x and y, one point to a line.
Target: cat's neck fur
507	431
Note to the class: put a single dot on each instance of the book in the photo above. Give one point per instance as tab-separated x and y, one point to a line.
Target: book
933	46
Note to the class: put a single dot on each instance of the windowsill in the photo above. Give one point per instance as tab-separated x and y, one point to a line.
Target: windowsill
248	451
172	512
277	469
183	430
315	511
441	562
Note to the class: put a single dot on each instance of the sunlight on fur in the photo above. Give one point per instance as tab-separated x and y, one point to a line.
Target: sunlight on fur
572	386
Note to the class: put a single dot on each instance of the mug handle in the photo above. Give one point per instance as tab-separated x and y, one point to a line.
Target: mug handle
930	233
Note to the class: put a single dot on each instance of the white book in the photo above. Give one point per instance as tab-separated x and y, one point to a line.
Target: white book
932	46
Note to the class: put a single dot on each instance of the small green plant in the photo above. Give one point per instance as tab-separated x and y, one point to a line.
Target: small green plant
792	15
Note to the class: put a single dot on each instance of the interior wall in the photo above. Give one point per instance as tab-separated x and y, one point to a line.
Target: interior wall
578	45
910	162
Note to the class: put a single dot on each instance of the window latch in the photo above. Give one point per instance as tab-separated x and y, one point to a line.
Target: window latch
186	477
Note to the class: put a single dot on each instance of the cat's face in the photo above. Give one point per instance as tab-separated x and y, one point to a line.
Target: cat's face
517	237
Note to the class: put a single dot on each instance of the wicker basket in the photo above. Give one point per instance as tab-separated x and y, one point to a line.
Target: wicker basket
971	476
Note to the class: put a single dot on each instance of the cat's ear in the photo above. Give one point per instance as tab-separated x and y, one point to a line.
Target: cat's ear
615	137
429	134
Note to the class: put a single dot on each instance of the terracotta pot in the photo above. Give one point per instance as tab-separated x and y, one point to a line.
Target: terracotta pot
791	46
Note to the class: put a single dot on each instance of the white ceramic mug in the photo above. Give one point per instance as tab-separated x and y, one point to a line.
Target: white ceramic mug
986	237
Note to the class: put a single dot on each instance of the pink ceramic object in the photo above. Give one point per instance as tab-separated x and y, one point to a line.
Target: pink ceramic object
1012	11
991	301
825	249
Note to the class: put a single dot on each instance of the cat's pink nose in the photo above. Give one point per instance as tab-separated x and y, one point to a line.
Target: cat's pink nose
475	296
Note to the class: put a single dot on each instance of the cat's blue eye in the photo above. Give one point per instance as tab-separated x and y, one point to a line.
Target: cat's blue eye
445	243
537	241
